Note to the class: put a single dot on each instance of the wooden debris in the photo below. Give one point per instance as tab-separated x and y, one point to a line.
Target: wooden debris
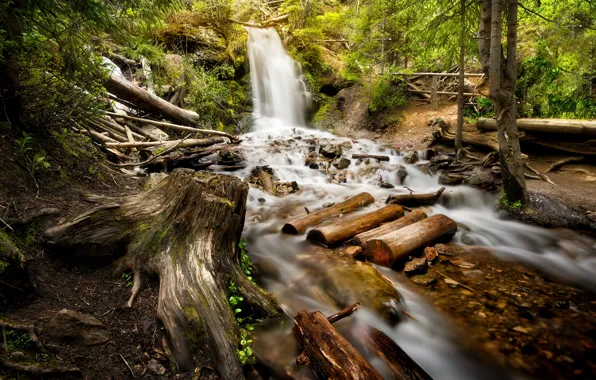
540	175
373	156
386	250
362	238
562	126
414	200
345	228
186	143
330	355
298	226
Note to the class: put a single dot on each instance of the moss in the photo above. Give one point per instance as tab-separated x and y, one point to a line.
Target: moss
16	340
3	266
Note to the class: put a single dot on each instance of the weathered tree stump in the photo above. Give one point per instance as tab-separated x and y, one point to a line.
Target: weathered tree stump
186	230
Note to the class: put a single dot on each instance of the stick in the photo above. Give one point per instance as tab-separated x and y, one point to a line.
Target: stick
344	313
542	176
187	143
141	164
125	362
458	283
563	162
176	126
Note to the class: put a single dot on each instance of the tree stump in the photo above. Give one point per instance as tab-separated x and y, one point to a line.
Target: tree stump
186	230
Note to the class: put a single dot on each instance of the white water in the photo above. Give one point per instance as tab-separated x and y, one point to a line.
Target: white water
282	141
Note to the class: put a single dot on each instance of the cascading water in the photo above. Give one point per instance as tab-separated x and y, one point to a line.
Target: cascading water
279	93
281	140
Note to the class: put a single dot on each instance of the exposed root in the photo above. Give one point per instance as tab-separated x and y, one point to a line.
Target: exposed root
136	288
37	369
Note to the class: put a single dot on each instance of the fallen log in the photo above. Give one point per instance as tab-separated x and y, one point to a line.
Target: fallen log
330	355
185	230
415	200
124	89
374	156
562	126
186	143
298	226
387	249
362	238
401	365
175	126
346	228
485	140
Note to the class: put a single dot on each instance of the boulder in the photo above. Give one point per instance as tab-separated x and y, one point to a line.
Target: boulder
78	328
402	173
330	150
341	163
411	157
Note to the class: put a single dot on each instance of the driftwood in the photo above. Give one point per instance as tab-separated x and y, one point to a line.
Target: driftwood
298	226
186	231
330	355
387	249
374	156
563	162
562	126
122	88
362	238
414	200
175	126
185	143
345	228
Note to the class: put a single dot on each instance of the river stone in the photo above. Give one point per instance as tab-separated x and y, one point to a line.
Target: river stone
451	179
416	266
411	157
402	173
341	163
386	185
78	328
431	254
330	150
424	279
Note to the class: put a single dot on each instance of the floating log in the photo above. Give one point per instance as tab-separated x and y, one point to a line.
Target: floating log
330	355
562	126
415	200
298	226
386	250
185	143
362	238
122	88
344	229
374	156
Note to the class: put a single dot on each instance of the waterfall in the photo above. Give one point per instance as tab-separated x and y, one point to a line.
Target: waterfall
279	92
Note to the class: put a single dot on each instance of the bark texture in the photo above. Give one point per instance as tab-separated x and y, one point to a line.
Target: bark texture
345	229
186	230
415	200
363	238
559	126
330	355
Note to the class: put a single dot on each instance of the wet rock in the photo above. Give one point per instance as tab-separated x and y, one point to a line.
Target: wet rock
346	145
329	204
426	279
483	179
313	165
402	173
445	250
416	266
431	254
285	188
75	327
330	151
451	179
463	264
261	200
386	185
478	274
339	177
156	368
341	163
441	161
411	157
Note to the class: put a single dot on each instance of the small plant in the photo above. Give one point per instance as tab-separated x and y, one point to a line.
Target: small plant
127	279
16	340
507	203
38	162
245	262
245	354
22	143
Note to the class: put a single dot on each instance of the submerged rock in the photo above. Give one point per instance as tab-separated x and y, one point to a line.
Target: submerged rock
341	163
411	157
424	279
330	150
416	266
402	173
75	327
386	185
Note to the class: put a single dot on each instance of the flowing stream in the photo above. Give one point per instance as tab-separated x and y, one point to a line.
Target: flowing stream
281	140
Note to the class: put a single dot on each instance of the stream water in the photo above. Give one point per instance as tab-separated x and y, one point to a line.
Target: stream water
281	140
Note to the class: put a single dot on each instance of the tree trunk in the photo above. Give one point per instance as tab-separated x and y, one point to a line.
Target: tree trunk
461	83
484	35
330	355
386	250
124	89
298	226
560	126
346	228
363	238
415	200
186	230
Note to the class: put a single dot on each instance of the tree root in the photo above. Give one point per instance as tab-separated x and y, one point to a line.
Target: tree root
37	369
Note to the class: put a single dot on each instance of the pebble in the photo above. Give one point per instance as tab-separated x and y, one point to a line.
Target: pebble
424	279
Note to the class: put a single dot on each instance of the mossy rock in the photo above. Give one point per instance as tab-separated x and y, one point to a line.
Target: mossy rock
13	277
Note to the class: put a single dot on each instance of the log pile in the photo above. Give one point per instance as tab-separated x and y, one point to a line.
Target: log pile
134	134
